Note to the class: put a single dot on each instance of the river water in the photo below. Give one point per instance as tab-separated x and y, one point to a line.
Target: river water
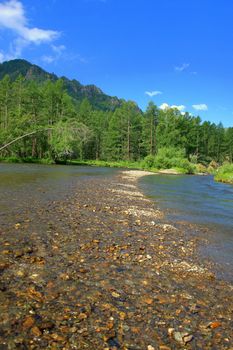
24	188
202	201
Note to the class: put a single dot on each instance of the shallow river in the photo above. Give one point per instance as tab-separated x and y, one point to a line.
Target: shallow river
195	199
24	188
202	201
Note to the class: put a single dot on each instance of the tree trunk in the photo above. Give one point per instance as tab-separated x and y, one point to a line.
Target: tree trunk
128	140
151	136
34	143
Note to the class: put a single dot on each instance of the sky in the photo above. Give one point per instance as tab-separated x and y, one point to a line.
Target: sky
178	53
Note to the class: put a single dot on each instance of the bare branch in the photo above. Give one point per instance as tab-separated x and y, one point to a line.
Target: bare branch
21	137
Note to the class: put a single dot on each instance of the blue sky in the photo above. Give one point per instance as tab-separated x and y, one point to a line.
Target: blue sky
176	52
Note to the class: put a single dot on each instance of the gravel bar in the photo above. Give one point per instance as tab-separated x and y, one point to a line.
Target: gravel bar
105	271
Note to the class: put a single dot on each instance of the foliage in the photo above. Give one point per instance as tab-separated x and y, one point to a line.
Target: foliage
193	158
111	164
169	158
148	161
225	173
212	167
68	139
72	121
200	168
149	126
26	160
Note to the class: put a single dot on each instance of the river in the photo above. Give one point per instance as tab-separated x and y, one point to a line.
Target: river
24	188
202	201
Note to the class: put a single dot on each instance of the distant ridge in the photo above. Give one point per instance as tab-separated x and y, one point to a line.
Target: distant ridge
74	88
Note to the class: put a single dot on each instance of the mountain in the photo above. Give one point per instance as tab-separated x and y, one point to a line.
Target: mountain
74	88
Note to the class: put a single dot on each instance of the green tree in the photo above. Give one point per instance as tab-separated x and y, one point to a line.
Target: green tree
150	122
5	100
123	137
68	139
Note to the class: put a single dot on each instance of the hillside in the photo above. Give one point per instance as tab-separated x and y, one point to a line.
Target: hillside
75	89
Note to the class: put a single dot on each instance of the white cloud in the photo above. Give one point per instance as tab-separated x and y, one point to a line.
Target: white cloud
6	56
153	93
48	59
13	18
60	53
183	67
200	107
57	54
38	36
58	49
165	106
180	108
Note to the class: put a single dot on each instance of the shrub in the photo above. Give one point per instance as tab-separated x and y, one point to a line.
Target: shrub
186	165
148	161
225	173
200	168
170	157
12	159
193	158
213	164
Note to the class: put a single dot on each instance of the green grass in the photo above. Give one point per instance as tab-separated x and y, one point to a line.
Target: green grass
183	170
111	164
14	159
139	165
224	174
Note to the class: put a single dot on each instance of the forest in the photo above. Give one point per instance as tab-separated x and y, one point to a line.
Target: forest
61	128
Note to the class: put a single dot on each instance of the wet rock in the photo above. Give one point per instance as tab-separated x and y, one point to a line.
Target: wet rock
3	287
36	331
170	331
99	274
57	337
150	347
115	295
46	325
195	308
20	273
28	322
4	265
183	337
213	325
18	253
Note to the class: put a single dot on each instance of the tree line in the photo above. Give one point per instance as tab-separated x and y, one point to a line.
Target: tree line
67	129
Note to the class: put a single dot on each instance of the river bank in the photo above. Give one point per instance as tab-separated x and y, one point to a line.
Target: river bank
219	175
108	272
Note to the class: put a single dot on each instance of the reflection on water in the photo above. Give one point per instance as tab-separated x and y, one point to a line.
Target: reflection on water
200	200
20	176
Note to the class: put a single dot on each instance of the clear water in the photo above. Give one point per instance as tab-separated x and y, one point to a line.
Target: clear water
27	187
195	199
199	200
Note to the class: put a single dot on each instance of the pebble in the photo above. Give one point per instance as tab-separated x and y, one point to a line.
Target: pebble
88	275
183	337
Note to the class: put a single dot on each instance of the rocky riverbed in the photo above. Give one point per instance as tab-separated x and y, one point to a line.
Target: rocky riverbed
108	272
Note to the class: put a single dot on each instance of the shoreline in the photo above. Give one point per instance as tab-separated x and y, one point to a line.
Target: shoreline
110	273
118	165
